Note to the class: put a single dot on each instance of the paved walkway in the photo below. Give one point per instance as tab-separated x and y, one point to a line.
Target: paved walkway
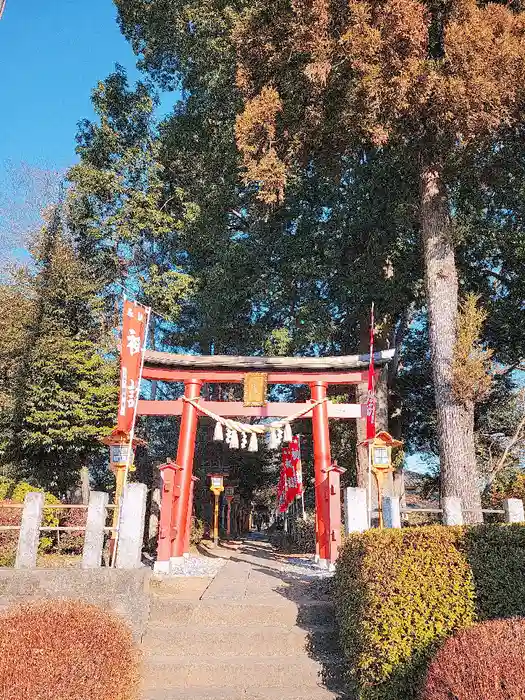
261	628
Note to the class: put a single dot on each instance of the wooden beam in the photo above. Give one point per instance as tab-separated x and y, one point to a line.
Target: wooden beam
172	374
341	363
234	409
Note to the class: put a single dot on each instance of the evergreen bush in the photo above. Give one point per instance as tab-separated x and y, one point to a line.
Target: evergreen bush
401	593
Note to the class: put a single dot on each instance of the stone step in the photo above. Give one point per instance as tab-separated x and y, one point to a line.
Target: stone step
244	673
228	694
227	641
285	614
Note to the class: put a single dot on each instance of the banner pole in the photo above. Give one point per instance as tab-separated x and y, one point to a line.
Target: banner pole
131	437
302	477
370	443
369	485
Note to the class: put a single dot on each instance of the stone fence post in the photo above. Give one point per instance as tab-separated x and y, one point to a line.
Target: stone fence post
452	513
94	535
513	508
356	515
391	511
131	528
29	536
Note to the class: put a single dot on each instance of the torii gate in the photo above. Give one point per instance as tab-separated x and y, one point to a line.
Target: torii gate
194	371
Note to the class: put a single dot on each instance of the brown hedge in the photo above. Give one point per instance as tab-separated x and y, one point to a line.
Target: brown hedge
485	662
66	650
401	593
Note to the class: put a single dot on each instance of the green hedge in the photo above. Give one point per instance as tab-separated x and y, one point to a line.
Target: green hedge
400	593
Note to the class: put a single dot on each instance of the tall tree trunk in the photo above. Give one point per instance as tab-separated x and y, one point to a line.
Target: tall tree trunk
455	419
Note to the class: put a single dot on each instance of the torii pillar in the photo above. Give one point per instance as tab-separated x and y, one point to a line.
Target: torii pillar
322	463
185	454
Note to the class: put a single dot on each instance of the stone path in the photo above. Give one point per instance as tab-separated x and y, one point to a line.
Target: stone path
261	629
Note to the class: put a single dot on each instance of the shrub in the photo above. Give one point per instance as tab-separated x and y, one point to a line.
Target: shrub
399	593
485	662
197	531
50	517
73	542
300	539
66	650
6	487
9	538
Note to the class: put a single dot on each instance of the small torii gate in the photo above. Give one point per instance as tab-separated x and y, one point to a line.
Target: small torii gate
315	372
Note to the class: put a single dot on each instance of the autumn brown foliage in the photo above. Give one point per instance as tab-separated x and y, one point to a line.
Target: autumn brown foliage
9	538
318	74
66	650
73	542
485	662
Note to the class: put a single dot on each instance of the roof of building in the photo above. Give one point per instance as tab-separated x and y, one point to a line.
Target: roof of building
316	364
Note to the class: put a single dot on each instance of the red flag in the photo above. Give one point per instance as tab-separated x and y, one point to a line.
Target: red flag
134	325
290	474
371	399
295	447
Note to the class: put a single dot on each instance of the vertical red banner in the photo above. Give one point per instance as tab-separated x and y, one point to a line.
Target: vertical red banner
371	399
290	474
134	327
295	448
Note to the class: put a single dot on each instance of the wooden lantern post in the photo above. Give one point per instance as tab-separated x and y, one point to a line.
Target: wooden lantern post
119	457
381	447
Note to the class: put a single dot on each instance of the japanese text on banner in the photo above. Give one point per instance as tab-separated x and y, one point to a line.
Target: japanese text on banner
135	320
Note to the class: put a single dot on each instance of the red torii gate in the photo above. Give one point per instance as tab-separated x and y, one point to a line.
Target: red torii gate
194	371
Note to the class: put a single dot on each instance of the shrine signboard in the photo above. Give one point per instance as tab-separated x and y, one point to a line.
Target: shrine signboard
255	389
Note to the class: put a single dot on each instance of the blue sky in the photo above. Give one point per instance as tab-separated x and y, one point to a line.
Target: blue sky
52	54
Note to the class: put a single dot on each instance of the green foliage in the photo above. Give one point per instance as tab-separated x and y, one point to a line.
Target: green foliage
197	531
300	539
50	518
6	487
399	593
64	390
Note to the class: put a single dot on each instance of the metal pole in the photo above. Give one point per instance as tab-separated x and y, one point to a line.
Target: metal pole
302	478
369	484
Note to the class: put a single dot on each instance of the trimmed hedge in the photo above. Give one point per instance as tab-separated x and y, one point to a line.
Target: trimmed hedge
66	650
400	593
485	662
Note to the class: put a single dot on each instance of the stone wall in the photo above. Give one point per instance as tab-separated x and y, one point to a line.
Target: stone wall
125	592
